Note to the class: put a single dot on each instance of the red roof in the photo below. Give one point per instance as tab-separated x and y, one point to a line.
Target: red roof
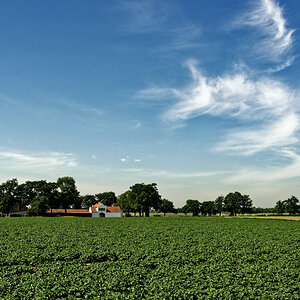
69	210
94	209
113	209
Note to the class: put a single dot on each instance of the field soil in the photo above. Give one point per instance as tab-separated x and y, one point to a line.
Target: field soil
273	217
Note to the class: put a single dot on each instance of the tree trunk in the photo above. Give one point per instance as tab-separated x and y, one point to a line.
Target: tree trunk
147	212
65	211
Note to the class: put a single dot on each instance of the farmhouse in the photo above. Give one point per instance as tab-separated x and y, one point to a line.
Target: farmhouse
101	210
97	210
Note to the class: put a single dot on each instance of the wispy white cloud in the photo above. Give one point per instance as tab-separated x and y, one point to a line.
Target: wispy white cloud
275	38
156	93
137	160
144	16
277	134
183	37
237	95
157	17
169	174
82	108
269	104
269	175
21	160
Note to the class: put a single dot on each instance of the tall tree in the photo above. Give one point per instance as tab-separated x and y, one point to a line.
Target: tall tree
292	205
88	201
9	195
219	204
232	202
246	204
39	205
107	198
192	206
166	206
127	202
208	208
52	193
68	192
27	192
280	207
147	196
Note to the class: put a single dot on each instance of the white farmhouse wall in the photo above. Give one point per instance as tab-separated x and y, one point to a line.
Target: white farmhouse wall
113	215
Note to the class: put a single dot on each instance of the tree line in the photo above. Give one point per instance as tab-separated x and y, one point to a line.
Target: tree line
42	196
232	203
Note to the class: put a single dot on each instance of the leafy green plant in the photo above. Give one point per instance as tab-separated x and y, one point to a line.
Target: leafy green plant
154	258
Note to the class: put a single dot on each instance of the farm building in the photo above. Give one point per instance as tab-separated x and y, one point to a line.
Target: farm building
101	210
97	210
72	212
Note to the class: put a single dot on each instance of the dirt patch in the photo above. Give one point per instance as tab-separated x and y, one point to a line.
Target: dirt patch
274	217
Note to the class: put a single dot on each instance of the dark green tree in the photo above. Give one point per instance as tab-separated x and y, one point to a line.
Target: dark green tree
88	201
39	205
68	192
246	204
31	189
128	202
208	208
9	195
27	192
292	205
192	206
166	206
280	207
219	204
147	197
106	198
232	203
53	195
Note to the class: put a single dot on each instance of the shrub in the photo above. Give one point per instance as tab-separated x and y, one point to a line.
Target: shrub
15	215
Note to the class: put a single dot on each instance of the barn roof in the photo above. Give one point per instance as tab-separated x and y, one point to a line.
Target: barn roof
113	209
69	210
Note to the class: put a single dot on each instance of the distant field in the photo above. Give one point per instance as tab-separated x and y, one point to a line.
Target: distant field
154	258
297	218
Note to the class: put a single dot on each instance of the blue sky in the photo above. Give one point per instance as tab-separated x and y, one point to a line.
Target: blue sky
201	97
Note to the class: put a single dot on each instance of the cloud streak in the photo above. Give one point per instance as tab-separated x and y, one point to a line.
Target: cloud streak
19	160
272	174
157	17
277	134
268	106
144	16
168	174
275	38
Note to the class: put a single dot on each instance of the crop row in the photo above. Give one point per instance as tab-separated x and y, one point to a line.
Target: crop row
156	258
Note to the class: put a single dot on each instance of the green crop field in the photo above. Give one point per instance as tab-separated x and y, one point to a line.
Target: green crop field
152	258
